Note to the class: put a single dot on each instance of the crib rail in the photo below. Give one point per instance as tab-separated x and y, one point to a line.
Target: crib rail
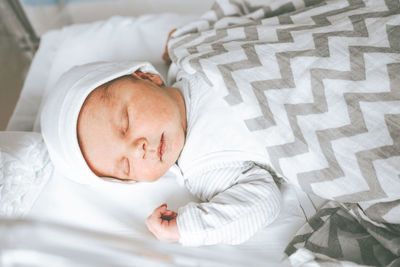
16	25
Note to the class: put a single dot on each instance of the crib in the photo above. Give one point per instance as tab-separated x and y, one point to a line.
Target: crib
48	220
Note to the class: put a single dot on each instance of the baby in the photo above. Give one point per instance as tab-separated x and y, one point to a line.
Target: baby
117	121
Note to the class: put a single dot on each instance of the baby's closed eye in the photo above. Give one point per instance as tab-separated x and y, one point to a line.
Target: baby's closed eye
125	124
126	166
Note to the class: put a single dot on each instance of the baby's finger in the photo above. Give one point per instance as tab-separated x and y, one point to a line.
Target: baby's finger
159	210
167	212
156	217
162	207
169	215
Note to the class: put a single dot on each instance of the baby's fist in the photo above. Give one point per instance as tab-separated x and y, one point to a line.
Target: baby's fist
162	223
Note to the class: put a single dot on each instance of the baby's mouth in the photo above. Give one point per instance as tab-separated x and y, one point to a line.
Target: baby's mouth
161	147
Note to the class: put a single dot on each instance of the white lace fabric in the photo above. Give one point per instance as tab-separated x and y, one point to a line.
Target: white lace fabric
25	168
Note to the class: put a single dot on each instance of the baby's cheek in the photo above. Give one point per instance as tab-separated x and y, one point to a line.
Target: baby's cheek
153	171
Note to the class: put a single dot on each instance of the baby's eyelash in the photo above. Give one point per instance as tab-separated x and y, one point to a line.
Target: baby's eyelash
126	167
125	124
127	121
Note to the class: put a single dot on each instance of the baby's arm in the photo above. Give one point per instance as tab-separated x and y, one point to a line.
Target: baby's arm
239	200
235	209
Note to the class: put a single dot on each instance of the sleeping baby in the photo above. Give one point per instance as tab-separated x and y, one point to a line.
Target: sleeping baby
117	122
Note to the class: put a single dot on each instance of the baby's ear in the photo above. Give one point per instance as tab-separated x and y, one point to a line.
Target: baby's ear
148	76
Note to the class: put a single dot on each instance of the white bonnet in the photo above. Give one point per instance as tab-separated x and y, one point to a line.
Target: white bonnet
61	110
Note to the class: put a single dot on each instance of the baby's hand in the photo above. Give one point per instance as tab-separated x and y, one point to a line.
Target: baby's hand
165	55
162	223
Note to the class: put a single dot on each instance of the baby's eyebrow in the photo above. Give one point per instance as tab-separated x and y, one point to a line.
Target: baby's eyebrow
106	93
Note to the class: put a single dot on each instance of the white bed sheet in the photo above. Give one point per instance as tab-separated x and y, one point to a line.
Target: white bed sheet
117	208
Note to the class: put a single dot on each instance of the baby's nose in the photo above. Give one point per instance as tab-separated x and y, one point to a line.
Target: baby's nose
140	147
143	149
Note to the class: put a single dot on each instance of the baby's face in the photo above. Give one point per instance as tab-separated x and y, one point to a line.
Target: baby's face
133	130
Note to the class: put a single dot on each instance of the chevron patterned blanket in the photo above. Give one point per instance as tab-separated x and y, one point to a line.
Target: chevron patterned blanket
318	83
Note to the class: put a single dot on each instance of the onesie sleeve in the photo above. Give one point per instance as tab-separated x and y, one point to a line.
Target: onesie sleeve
238	200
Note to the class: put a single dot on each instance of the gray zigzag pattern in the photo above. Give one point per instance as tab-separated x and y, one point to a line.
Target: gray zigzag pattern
251	40
356	126
356	73
333	230
325	138
377	211
284	58
251	35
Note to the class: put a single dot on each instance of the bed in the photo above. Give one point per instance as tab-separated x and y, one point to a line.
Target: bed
48	215
117	209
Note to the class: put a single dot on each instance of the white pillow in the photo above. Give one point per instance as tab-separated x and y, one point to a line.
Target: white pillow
25	168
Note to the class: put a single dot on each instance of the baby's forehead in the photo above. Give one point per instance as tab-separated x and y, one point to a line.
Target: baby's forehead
106	92
105	95
95	101
102	93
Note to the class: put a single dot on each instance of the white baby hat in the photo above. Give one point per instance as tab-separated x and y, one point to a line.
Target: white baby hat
61	109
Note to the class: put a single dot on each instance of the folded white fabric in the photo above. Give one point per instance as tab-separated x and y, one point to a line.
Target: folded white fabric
61	110
25	169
